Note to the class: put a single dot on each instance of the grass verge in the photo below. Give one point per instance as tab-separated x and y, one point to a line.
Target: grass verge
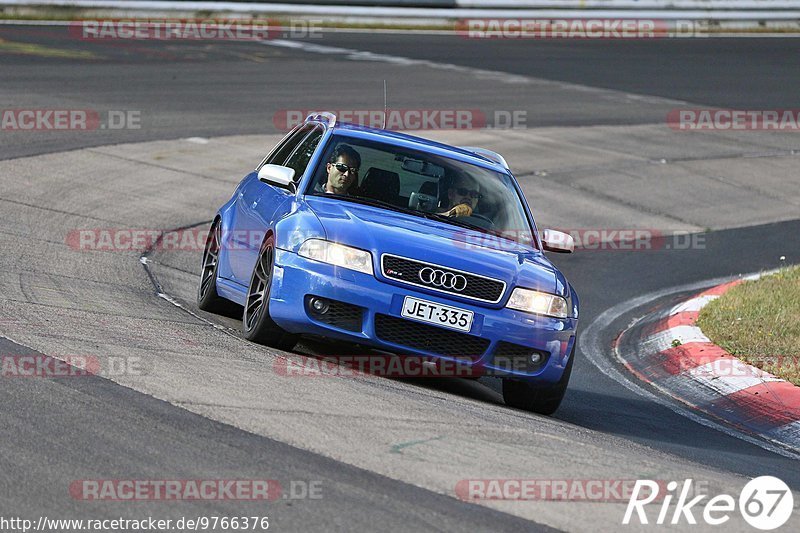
759	322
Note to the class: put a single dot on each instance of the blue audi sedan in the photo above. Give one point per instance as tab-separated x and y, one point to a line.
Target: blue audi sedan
401	244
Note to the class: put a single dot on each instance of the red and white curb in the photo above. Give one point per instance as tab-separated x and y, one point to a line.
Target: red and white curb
669	351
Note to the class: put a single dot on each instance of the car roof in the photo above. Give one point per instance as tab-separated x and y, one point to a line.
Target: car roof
466	155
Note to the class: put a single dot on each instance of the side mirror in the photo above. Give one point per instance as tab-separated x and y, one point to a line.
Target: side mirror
277	175
558	241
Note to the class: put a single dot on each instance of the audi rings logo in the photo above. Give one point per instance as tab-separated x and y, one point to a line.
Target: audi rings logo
442	279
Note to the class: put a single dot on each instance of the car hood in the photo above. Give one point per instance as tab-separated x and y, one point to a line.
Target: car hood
382	231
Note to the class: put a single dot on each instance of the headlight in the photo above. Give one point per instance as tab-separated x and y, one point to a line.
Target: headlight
537	302
337	255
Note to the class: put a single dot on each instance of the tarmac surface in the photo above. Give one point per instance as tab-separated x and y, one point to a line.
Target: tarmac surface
594	153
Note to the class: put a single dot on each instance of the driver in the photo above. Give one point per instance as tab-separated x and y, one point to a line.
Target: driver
462	197
342	169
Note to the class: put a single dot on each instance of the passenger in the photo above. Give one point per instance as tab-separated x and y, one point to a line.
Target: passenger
342	169
462	197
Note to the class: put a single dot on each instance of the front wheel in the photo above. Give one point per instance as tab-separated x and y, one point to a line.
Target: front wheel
539	399
257	325
207	297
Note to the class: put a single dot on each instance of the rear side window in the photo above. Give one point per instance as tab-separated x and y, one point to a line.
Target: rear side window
279	156
302	154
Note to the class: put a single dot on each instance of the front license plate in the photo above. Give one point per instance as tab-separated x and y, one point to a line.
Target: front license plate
433	313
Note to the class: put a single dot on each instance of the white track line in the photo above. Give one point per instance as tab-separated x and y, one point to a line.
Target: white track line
693	305
685	334
493	75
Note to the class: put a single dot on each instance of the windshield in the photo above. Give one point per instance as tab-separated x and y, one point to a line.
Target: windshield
422	184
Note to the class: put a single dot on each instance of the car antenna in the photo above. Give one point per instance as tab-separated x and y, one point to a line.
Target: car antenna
384	105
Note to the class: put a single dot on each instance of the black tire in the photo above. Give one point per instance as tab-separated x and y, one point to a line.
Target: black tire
257	325
207	297
539	399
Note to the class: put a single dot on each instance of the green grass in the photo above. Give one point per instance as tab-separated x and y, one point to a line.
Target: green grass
759	322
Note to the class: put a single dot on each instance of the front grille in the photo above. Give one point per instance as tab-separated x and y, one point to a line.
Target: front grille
339	314
429	338
510	356
407	271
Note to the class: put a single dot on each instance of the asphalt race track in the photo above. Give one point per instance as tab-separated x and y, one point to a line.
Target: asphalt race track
595	152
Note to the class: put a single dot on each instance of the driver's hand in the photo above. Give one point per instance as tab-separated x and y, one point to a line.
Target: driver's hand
461	210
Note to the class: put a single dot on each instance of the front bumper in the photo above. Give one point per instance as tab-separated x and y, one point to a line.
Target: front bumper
494	330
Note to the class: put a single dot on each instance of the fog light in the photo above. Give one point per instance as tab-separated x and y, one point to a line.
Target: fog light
319	305
536	358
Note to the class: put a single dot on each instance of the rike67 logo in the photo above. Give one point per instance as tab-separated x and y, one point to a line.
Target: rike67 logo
765	503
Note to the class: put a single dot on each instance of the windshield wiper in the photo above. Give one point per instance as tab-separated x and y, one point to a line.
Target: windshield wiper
423	214
481	229
371	201
453	220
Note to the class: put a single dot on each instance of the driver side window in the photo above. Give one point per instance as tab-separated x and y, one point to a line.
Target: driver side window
279	154
302	155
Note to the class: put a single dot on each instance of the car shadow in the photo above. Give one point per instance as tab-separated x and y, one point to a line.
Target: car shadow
486	389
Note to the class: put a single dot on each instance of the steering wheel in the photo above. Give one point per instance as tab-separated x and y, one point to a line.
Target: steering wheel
479	220
482	217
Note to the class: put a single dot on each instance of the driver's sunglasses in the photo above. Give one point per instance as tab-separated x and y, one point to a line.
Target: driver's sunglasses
472	193
341	167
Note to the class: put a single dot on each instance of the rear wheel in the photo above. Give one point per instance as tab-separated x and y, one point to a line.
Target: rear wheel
537	398
257	325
